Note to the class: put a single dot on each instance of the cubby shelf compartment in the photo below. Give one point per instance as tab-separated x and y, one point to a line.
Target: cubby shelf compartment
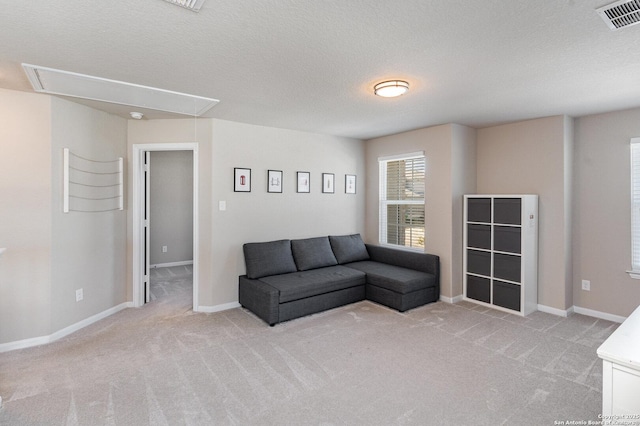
501	252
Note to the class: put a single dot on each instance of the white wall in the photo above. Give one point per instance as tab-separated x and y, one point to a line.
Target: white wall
171	207
450	172
51	254
88	249
530	157
569	198
602	212
463	181
258	215
262	216
25	215
177	131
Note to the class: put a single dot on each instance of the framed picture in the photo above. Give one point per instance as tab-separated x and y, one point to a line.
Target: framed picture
303	181
241	180
328	184
349	184
274	180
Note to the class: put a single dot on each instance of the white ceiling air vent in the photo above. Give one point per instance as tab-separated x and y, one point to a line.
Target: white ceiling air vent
65	83
194	5
620	14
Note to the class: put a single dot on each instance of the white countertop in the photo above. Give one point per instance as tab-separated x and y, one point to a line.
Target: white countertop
623	346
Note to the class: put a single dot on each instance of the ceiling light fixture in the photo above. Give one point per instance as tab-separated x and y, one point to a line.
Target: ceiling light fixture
65	83
391	88
136	115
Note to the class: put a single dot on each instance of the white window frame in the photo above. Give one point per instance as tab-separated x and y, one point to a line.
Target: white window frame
383	202
635	208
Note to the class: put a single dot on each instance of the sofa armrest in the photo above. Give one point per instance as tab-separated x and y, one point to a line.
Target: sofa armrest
260	298
424	262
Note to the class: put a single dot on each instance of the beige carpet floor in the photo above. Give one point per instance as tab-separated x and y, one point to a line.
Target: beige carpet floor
361	364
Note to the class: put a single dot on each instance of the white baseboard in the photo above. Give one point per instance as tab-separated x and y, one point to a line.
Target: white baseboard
26	343
37	341
558	312
170	264
581	311
455	299
42	340
218	308
555	311
598	314
88	321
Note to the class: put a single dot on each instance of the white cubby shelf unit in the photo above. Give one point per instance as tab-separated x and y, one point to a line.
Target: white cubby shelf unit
500	240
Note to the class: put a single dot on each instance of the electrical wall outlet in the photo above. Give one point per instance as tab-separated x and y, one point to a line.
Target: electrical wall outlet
79	295
586	285
164	249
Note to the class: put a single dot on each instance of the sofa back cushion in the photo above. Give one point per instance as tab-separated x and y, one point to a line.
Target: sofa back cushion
270	258
348	248
312	253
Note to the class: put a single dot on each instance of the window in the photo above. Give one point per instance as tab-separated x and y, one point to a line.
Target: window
635	208
402	183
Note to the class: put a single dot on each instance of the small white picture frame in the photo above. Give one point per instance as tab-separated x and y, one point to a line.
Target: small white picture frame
304	181
328	183
274	181
241	179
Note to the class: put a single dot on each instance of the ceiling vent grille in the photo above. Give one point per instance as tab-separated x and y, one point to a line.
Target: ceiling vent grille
193	5
621	14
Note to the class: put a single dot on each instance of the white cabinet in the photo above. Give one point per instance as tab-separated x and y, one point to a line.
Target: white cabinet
620	355
501	251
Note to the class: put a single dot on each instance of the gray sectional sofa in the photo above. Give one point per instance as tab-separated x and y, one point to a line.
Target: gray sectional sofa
288	279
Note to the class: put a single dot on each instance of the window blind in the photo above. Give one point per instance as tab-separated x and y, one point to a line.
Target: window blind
635	204
402	189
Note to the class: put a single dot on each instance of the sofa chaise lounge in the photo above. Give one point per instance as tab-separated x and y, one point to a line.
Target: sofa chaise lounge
288	279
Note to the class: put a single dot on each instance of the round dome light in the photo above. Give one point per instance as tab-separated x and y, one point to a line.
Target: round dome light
391	88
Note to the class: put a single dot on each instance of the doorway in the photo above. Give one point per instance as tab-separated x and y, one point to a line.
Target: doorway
141	248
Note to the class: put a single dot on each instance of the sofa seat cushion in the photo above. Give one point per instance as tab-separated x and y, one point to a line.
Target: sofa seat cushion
298	285
394	278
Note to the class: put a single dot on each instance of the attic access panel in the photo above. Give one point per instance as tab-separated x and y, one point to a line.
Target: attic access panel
65	83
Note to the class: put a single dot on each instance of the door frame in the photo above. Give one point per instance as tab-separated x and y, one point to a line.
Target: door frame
139	151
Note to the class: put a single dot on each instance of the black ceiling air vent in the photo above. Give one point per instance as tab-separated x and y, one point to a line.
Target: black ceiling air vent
620	14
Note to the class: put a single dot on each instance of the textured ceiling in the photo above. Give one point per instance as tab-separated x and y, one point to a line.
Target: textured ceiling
310	65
